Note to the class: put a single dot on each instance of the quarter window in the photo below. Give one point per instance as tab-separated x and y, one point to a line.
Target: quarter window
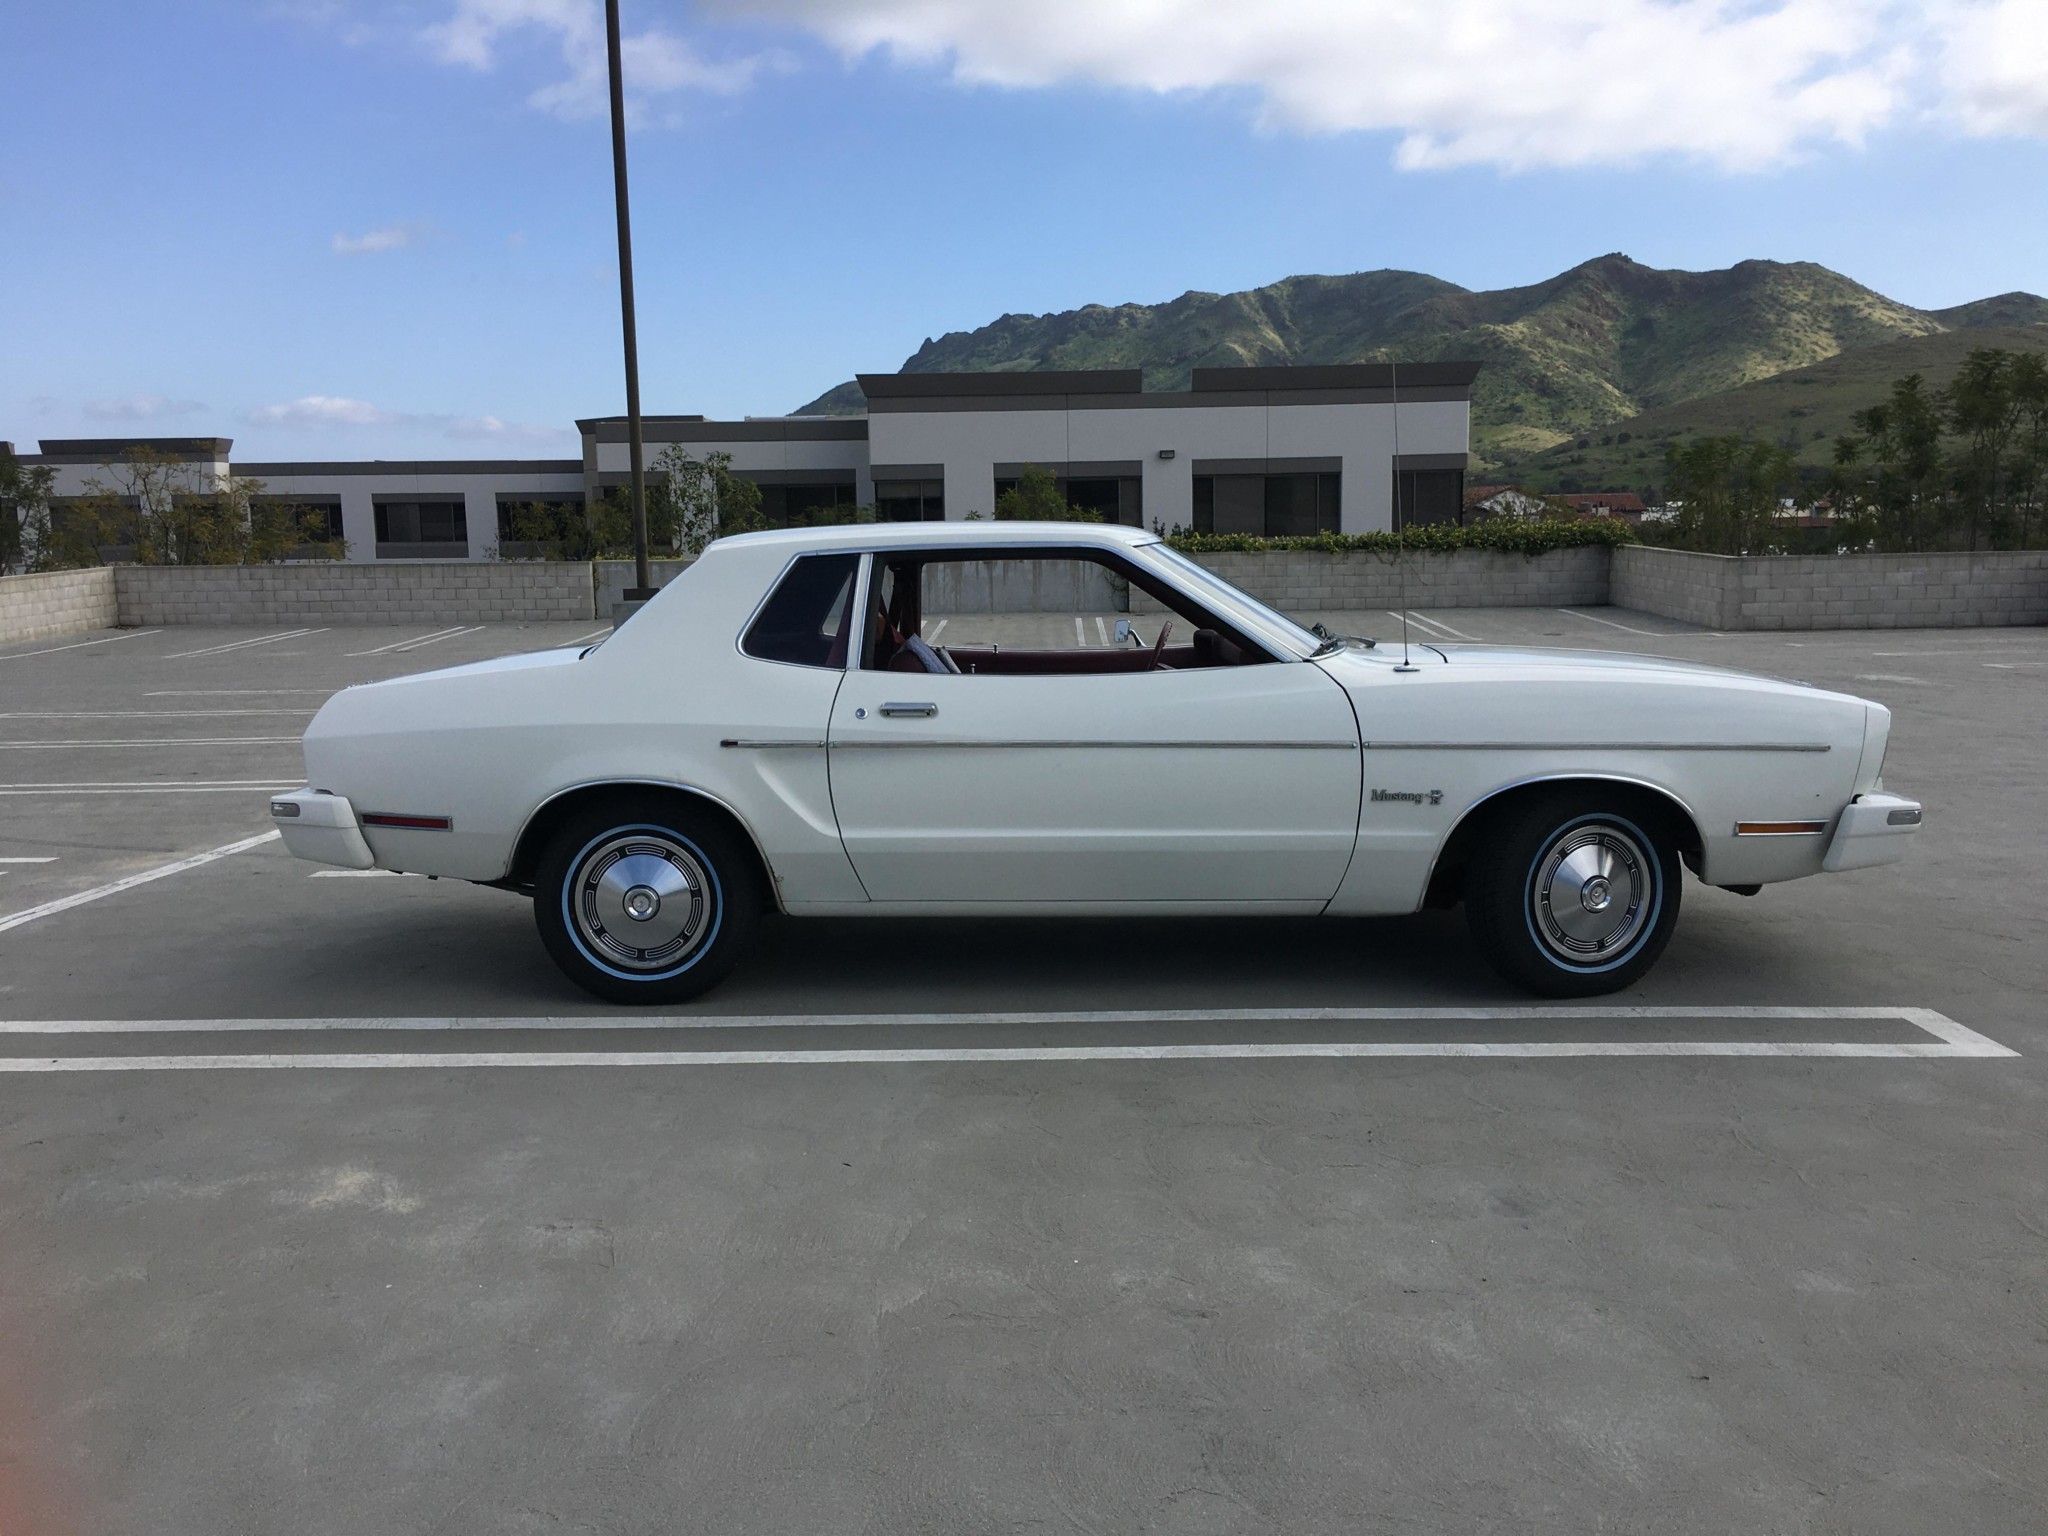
805	621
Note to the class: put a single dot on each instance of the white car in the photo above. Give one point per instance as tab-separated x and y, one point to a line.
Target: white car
839	721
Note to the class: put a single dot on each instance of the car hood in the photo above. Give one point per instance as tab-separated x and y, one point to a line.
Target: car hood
525	661
1550	661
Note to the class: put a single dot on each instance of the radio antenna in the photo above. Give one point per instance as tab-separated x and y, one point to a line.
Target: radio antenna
1400	522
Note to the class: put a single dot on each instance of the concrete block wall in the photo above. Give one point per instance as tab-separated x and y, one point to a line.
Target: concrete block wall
340	592
1311	581
1947	590
612	577
56	603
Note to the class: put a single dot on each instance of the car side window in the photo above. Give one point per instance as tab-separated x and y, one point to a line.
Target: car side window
807	620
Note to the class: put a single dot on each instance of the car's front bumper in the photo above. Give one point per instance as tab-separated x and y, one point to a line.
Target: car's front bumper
1874	829
321	828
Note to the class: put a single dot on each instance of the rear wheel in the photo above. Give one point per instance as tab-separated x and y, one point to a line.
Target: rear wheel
1573	896
642	900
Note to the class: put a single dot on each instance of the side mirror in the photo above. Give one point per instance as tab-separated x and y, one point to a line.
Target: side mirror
1123	631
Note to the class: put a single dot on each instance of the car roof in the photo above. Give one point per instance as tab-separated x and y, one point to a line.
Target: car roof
958	534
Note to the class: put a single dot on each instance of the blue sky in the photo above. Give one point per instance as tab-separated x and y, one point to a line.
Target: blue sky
329	229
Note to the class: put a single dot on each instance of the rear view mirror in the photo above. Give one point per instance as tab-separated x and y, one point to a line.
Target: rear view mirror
1123	631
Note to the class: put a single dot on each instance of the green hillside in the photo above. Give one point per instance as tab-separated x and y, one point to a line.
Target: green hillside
1804	408
1593	346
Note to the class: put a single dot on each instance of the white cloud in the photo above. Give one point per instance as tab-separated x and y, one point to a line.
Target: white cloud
140	408
1995	66
655	62
341	411
372	242
1740	85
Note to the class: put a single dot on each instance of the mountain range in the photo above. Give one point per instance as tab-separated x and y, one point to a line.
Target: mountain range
1568	360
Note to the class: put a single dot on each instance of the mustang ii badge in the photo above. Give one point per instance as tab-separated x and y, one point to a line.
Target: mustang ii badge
1411	796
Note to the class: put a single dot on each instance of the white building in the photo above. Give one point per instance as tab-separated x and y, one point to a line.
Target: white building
1242	450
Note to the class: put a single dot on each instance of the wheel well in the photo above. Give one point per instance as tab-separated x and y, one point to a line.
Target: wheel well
542	825
1660	811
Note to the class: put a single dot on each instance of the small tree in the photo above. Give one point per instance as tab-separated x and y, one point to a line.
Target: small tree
1728	489
24	513
692	501
171	516
1036	498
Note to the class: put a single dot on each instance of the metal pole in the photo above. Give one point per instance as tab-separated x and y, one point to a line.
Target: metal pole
643	583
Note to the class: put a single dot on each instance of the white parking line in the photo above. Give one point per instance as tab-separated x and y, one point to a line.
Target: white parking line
47	858
1949	1040
1080	634
155	741
396	645
937	630
1101	630
152	787
214	693
1595	619
1434	629
453	634
79	645
128	883
608	629
362	874
243	645
141	714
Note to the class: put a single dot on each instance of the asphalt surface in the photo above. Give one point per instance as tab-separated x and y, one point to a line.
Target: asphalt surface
1150	1267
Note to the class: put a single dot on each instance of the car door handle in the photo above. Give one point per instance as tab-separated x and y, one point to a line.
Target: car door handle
914	711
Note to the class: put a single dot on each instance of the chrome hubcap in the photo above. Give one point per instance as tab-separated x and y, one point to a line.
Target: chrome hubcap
641	901
1590	896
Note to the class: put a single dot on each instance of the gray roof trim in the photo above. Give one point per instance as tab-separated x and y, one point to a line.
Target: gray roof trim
100	450
798	429
881	472
1338	376
1432	461
1322	465
1170	400
1073	469
414	467
1048	381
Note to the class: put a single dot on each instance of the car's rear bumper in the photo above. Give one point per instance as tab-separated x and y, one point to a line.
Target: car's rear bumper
321	828
1874	829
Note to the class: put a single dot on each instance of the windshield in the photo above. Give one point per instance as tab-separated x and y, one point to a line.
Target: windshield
1202	580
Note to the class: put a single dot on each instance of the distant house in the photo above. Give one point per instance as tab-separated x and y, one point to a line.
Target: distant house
1622	504
1484	501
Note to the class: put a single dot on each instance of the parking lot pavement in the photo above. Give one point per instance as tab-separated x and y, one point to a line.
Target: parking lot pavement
1291	1225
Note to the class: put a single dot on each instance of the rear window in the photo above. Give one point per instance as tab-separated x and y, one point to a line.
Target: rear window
804	622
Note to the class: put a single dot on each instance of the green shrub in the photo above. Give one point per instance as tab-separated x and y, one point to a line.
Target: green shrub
1509	535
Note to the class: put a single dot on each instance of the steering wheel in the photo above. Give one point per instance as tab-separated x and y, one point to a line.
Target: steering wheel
1159	645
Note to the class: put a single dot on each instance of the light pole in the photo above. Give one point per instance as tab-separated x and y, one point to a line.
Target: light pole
643	582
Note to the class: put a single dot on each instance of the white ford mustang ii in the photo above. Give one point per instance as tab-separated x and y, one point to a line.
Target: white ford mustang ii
788	726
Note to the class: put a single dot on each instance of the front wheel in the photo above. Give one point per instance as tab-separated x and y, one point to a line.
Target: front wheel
1572	897
642	900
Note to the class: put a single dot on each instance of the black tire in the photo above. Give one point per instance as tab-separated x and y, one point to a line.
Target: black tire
1574	893
698	880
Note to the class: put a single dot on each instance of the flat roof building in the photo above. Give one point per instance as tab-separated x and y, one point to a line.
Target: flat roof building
1266	451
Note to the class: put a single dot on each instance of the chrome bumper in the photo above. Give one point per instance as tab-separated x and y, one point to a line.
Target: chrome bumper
1874	829
321	828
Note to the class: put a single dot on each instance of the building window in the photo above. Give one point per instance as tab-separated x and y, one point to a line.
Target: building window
1268	506
542	527
417	528
910	501
1113	498
805	620
1424	496
805	506
318	516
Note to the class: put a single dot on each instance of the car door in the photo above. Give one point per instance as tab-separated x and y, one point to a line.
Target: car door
1223	786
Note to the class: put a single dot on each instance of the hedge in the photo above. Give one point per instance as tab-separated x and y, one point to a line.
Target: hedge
1510	535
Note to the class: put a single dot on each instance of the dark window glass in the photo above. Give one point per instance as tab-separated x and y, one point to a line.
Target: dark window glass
558	515
1267	506
910	501
805	621
1423	496
321	513
422	522
803	506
